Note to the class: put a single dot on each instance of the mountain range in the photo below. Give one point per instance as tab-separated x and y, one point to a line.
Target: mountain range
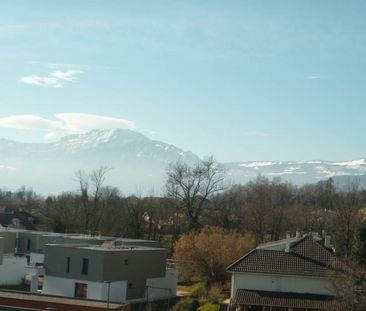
138	164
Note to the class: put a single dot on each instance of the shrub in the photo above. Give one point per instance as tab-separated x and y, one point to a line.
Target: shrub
199	290
186	304
214	292
209	307
207	253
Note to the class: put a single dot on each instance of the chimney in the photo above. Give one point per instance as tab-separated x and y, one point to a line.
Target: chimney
287	249
327	241
298	234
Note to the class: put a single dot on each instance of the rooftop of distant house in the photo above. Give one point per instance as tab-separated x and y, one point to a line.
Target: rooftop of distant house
299	256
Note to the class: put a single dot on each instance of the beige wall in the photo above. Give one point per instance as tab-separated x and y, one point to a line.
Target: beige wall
56	261
132	265
281	283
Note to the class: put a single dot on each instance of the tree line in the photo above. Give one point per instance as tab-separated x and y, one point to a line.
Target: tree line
195	197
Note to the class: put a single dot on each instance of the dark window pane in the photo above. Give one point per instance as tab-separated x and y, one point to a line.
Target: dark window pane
81	290
85	267
68	264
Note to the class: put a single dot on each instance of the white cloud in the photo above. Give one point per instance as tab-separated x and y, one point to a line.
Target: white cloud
41	81
316	77
64	123
67	75
257	134
82	122
29	122
55	79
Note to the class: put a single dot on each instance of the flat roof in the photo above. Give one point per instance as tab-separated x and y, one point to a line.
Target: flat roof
75	235
105	248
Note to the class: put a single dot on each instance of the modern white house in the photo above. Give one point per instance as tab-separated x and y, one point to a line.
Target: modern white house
12	267
85	266
287	275
108	272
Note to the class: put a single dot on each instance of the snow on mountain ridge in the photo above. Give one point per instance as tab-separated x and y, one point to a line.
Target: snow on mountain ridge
352	164
258	164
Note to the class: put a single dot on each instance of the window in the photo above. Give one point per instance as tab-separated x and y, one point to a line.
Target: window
28	245
68	260
81	290
85	266
126	262
129	285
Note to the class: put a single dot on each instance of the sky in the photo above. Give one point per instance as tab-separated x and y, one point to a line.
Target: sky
243	80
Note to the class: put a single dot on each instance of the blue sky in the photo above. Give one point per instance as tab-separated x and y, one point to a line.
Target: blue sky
243	80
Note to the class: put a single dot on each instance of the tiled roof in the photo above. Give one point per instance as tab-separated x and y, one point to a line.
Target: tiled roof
278	299
306	257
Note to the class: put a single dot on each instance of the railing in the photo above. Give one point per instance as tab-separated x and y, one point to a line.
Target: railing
171	264
35	270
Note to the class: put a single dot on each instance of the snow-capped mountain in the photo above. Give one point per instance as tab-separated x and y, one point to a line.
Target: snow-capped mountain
138	163
298	172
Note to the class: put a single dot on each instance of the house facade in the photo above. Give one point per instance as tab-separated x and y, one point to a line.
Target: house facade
85	266
288	275
115	273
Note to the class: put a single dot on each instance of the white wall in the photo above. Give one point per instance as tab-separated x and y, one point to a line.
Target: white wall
96	290
280	283
168	282
12	270
36	258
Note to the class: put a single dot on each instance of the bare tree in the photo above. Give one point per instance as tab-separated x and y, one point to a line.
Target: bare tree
192	186
347	221
83	178
91	193
257	203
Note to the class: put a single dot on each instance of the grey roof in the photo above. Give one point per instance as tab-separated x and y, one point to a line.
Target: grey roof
284	299
306	257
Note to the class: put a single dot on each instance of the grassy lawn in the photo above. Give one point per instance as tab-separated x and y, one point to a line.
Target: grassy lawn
191	288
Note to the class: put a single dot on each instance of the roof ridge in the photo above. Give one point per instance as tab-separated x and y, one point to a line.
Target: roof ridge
241	258
306	237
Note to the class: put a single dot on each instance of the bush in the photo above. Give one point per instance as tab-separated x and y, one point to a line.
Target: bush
207	253
214	292
199	290
185	304
209	307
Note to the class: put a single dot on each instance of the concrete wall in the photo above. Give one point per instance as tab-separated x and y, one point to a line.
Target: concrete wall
165	287
1	250
280	283
135	266
56	261
132	265
12	270
95	290
36	258
9	241
23	242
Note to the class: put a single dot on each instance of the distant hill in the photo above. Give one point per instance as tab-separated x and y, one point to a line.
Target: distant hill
139	163
300	172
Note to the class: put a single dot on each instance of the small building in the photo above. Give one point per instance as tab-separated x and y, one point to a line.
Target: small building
86	266
108	272
287	275
12	267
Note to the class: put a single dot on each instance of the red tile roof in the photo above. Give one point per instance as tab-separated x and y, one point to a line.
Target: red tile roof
306	257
